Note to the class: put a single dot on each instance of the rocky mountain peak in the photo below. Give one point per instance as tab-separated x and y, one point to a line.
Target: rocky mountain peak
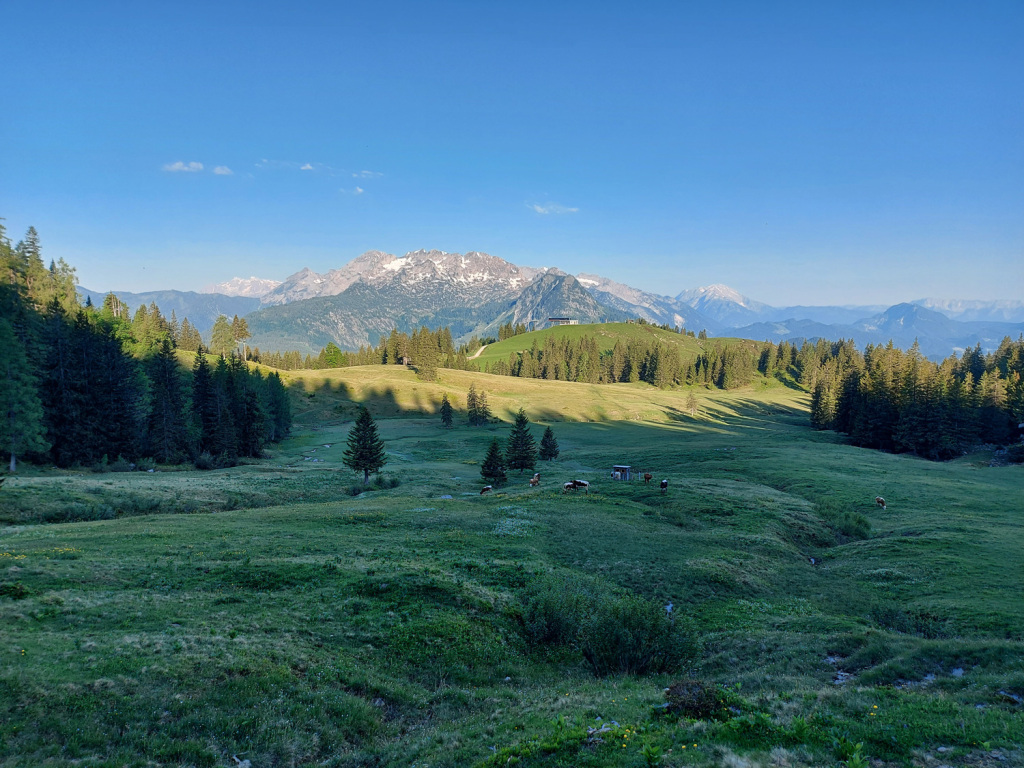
250	287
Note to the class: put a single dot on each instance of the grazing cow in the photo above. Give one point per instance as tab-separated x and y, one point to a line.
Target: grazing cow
880	501
570	486
582	484
648	477
486	489
664	486
535	480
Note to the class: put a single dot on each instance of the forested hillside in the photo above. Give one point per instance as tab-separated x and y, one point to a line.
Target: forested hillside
899	401
89	386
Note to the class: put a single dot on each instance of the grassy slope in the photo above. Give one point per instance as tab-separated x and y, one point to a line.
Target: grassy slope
381	629
607	334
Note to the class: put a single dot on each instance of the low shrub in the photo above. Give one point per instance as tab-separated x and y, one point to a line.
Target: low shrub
14	590
1015	453
121	464
378	483
615	632
847	524
205	461
696	699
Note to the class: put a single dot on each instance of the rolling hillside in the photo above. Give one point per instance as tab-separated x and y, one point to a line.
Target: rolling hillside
282	613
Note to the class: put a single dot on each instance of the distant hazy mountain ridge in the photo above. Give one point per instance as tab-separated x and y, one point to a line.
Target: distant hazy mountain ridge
250	287
475	293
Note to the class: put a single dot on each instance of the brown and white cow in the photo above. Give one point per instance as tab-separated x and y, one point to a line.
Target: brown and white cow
880	501
535	480
486	489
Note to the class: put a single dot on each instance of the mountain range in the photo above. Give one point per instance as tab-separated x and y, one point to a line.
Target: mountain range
475	293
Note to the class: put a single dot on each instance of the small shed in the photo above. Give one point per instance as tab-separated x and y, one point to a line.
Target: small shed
622	472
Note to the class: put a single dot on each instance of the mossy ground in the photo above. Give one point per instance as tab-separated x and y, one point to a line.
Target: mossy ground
273	616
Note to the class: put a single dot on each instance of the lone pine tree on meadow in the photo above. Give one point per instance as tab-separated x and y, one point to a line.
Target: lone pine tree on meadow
365	452
521	450
493	468
548	445
446	411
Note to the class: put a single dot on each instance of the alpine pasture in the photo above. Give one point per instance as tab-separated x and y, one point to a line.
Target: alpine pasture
279	613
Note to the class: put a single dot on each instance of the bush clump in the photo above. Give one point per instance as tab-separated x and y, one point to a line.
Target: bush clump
14	590
615	632
696	699
379	483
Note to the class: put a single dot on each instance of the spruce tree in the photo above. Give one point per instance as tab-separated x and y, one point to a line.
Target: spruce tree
21	413
473	405
483	411
548	445
365	452
446	411
167	426
493	468
521	450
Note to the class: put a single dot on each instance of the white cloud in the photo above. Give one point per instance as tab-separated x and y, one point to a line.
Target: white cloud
306	167
223	170
179	166
353	191
366	175
550	208
357	191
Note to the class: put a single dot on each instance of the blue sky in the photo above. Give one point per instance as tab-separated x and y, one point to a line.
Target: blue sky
854	153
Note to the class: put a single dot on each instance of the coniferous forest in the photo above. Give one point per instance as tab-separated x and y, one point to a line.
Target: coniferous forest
897	400
92	386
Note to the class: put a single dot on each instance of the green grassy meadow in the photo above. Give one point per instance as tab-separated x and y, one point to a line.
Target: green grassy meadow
265	612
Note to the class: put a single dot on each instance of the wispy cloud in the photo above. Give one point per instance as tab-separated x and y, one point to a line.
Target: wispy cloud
548	208
366	175
180	167
223	170
307	167
353	191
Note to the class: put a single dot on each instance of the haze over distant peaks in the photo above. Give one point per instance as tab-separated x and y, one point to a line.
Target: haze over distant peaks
252	287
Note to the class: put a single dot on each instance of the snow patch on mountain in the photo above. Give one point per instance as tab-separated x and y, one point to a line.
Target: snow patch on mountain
251	287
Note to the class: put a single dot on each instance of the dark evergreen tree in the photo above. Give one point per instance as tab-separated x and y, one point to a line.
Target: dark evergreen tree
548	445
204	402
493	467
483	411
365	452
188	337
21	413
446	411
521	449
278	407
168	429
